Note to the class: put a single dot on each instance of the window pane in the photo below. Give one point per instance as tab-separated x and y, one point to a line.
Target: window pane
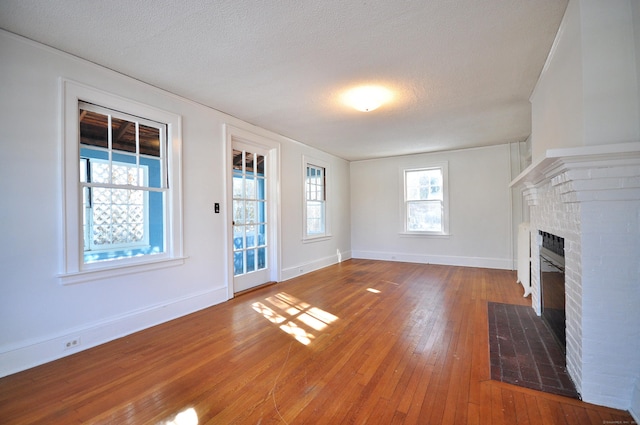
260	165
238	187
100	172
249	162
251	236
424	216
123	135
94	129
238	237
251	260
315	217
237	160
250	188
424	184
153	173
238	212
250	211
262	258
120	174
149	140
83	170
262	234
261	212
261	193
238	262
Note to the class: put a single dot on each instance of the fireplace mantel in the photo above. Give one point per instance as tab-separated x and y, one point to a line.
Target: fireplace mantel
590	173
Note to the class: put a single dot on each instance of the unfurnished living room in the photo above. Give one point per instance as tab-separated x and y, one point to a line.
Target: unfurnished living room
305	212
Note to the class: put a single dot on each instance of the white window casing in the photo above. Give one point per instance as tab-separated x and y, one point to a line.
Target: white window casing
73	268
315	198
424	200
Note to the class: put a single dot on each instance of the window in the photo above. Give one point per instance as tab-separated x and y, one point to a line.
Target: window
122	203
122	164
315	195
425	200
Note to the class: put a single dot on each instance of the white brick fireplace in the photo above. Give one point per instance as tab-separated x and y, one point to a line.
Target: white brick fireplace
590	196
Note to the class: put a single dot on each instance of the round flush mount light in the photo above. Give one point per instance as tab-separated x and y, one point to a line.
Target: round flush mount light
367	98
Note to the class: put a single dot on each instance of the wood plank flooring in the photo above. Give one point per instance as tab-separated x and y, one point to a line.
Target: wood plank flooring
361	342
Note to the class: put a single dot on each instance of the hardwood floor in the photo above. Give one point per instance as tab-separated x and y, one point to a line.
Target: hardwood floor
359	342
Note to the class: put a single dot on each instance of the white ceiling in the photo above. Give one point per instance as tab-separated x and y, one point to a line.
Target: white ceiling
462	70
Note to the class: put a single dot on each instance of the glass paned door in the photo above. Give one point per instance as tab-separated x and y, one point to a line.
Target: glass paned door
250	218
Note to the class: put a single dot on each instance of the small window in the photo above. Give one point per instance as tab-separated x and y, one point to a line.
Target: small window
425	206
122	203
315	195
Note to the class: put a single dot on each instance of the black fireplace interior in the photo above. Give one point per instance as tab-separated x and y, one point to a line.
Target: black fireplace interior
552	285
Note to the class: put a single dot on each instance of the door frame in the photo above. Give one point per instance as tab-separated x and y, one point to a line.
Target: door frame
232	134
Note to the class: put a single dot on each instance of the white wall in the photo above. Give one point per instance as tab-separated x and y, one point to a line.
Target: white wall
588	91
309	256
556	103
479	203
37	313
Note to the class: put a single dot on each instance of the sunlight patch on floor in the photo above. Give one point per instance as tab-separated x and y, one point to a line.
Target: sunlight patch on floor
186	417
303	318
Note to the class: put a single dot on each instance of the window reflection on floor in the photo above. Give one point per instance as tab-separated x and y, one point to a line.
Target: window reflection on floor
186	417
301	318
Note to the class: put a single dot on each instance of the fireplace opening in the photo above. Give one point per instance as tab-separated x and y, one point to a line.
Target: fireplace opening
552	286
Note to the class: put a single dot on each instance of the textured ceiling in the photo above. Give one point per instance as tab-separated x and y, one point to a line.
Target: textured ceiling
462	70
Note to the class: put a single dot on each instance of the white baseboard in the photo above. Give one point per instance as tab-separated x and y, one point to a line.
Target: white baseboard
299	270
36	352
489	263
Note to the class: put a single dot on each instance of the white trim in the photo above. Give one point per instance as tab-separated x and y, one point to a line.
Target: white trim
15	358
425	235
71	255
308	267
446	260
136	265
320	238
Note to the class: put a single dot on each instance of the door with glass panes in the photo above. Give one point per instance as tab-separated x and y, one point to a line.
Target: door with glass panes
250	221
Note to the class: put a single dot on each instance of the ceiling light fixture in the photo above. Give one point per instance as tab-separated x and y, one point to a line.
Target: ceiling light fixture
367	98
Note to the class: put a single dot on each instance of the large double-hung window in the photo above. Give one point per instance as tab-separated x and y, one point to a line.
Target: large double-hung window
123	179
122	209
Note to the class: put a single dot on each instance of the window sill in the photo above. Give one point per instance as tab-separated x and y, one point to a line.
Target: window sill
118	270
312	239
424	235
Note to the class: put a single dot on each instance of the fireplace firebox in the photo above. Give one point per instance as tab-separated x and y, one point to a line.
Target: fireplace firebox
553	286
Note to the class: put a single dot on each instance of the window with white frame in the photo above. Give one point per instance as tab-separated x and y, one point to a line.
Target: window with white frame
122	169
425	200
315	195
122	203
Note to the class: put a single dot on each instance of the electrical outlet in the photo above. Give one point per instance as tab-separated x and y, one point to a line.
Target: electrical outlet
72	343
